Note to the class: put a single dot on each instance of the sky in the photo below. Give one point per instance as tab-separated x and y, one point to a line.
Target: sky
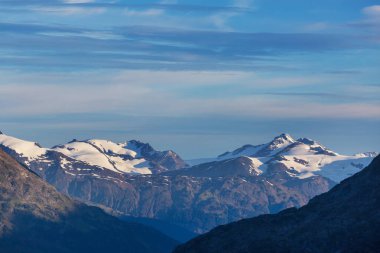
197	77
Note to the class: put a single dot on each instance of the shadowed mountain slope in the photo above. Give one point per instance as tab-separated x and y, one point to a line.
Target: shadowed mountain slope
234	186
34	217
345	219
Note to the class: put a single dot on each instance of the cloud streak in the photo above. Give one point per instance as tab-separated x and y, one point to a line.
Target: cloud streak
130	93
154	47
188	71
24	5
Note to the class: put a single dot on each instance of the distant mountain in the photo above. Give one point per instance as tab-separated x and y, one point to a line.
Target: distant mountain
263	150
346	219
88	156
302	158
197	198
34	217
131	157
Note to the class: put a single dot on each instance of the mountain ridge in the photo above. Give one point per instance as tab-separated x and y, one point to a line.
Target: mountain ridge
346	219
304	157
197	198
34	217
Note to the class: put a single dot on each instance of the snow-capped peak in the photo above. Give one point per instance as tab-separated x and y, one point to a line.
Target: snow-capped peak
105	154
284	137
110	147
307	141
305	146
263	150
139	147
26	149
276	145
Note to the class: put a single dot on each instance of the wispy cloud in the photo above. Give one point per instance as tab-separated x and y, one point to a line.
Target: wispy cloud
373	12
243	3
170	5
220	20
188	67
371	18
143	13
148	93
155	47
66	11
169	1
78	1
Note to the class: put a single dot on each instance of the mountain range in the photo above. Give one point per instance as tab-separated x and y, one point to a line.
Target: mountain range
133	179
345	219
34	217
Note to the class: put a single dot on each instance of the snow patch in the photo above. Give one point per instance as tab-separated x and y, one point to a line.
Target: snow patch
27	149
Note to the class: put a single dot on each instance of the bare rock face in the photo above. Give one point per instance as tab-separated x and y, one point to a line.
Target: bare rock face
195	198
233	186
34	217
345	219
160	160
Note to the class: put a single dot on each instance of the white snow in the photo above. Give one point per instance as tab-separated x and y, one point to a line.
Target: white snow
278	144
85	152
255	166
305	149
273	147
335	168
247	151
115	148
135	166
26	149
269	182
302	159
104	154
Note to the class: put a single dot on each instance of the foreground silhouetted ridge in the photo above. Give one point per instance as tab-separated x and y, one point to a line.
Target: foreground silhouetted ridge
34	217
345	219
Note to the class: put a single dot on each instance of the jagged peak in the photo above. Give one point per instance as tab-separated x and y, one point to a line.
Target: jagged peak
284	136
307	141
137	142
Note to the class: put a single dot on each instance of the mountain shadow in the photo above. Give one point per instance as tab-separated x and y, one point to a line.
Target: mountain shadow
34	217
345	219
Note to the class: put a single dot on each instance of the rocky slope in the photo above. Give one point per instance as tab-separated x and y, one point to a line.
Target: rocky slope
197	203
197	198
346	219
34	217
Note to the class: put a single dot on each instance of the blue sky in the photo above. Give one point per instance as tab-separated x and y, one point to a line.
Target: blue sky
199	78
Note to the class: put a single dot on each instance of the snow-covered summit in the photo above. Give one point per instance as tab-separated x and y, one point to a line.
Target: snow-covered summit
300	158
105	154
262	150
305	146
27	149
131	157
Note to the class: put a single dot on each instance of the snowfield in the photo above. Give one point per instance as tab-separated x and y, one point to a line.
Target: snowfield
302	158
